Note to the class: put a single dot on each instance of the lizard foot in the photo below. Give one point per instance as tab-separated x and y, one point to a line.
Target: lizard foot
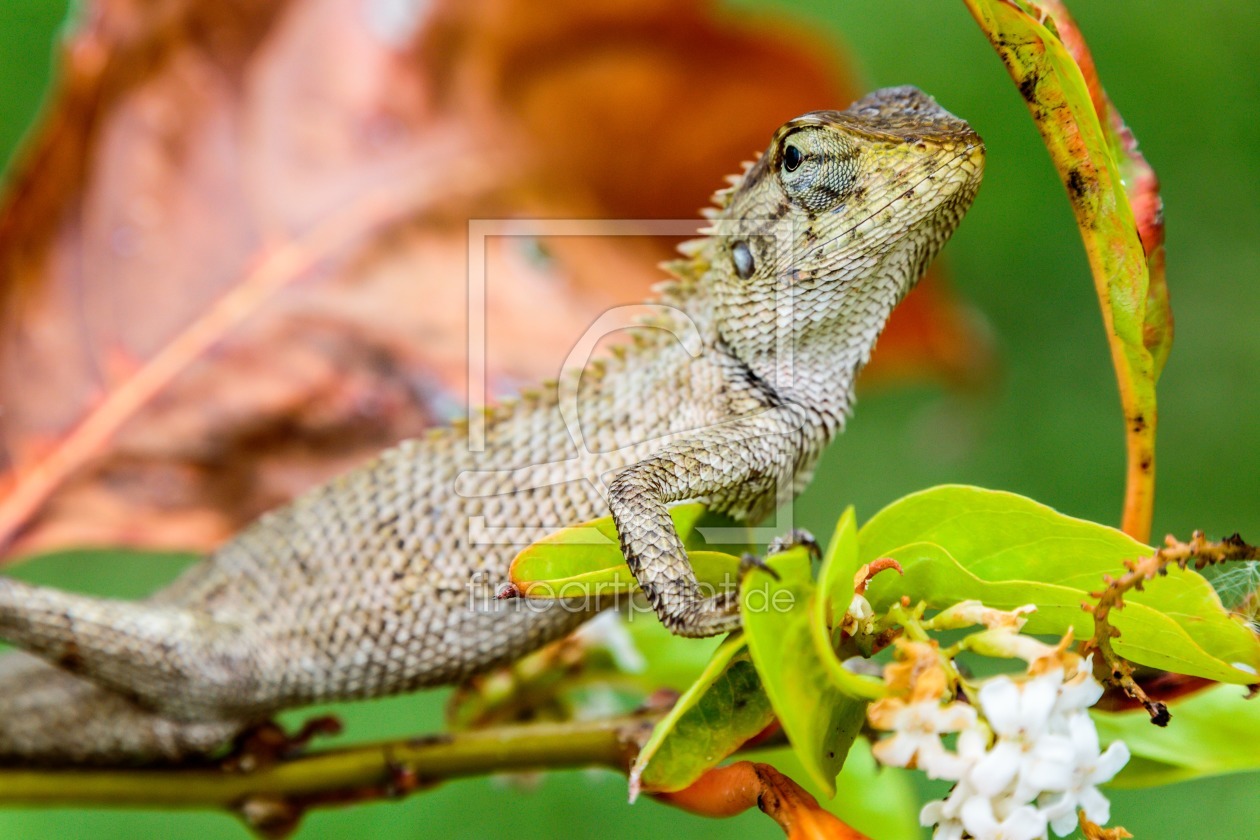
750	562
705	616
267	743
720	613
794	538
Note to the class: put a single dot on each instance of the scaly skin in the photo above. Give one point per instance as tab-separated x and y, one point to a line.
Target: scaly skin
381	581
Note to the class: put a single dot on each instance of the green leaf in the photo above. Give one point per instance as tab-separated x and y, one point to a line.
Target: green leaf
673	662
712	567
820	720
585	554
956	542
840	564
1213	731
723	708
835	594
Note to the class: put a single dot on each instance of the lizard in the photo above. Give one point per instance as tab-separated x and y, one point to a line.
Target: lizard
374	583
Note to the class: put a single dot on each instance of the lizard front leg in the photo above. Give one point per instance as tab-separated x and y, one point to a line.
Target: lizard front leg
738	465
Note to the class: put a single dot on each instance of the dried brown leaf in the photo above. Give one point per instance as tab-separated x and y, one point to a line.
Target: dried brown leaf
234	256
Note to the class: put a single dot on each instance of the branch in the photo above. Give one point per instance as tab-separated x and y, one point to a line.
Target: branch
272	799
1203	553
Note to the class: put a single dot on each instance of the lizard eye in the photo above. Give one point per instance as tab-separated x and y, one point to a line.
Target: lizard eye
792	158
817	167
742	255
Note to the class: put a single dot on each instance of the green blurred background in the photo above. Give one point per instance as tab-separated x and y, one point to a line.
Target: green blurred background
1188	83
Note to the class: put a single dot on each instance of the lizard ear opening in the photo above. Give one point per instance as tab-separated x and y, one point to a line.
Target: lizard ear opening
742	256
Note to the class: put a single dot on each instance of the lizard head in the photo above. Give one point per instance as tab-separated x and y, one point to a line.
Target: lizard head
834	224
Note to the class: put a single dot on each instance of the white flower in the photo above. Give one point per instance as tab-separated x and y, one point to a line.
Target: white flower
917	729
859	616
1080	692
1090	768
1024	822
1047	765
1026	754
971	747
946	814
1020	711
947	828
1027	757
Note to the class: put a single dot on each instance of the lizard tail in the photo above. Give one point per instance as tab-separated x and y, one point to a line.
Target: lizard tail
178	662
50	717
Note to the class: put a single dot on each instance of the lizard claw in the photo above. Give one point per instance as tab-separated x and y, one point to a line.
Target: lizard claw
267	743
749	562
795	537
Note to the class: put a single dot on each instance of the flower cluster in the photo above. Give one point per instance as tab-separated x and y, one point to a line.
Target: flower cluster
1024	762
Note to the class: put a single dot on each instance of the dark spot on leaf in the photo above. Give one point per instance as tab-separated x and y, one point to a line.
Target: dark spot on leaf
1139	424
1028	87
1077	185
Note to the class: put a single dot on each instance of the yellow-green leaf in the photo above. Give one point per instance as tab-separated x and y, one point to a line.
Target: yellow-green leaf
721	710
588	553
1214	731
711	567
956	543
840	564
835	594
820	720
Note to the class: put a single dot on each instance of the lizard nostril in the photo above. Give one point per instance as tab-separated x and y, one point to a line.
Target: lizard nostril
743	257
